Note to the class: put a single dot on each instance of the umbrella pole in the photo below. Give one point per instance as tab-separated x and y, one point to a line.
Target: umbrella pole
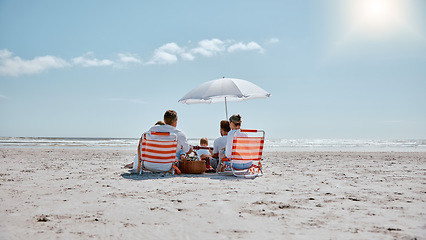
226	109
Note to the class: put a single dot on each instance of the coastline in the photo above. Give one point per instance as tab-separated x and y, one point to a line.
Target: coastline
271	145
86	193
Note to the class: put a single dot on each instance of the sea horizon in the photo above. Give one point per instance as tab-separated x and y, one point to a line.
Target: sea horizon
271	145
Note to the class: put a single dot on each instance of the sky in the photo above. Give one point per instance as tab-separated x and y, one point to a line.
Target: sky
353	69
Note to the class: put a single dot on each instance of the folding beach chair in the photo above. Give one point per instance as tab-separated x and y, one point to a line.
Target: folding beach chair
246	155
157	152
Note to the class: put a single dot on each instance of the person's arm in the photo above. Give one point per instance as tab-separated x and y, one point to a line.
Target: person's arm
139	156
183	143
215	151
190	150
221	153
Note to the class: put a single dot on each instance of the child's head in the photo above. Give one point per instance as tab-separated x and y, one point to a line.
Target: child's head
160	123
204	142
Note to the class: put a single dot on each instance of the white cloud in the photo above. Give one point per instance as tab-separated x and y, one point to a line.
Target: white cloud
4	53
88	60
209	48
169	53
166	54
3	96
273	40
15	66
245	47
128	58
170	48
187	56
163	58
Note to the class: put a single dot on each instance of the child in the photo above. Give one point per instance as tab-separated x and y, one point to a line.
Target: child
205	154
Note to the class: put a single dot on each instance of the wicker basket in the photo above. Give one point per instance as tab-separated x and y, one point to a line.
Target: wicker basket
193	167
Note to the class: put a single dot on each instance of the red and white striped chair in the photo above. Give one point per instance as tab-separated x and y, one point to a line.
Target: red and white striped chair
246	156
157	152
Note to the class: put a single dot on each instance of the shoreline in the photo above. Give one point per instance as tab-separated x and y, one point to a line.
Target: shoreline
271	145
289	150
86	193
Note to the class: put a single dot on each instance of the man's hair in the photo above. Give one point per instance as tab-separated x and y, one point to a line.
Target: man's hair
204	141
224	124
170	116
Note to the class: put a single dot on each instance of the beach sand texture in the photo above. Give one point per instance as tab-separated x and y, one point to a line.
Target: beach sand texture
86	194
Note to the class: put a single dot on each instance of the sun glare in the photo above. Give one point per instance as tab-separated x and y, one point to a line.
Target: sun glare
375	15
378	11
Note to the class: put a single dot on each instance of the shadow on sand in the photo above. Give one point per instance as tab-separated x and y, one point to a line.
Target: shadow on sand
148	175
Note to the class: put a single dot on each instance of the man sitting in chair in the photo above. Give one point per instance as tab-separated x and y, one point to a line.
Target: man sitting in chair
170	120
220	143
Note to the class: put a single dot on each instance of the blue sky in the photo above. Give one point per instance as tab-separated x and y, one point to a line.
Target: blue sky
335	69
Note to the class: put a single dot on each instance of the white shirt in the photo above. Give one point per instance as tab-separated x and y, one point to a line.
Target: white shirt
182	141
202	151
219	143
228	150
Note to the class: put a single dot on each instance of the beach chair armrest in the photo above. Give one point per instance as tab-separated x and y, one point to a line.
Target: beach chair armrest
201	147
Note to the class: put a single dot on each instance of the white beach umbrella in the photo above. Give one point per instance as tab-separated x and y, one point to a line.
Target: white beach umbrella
223	90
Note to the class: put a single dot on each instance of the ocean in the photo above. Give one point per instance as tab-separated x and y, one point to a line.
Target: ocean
271	145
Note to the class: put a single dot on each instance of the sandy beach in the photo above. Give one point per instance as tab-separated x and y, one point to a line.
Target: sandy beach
87	194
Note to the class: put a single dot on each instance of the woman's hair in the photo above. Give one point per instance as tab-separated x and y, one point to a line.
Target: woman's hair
236	118
224	124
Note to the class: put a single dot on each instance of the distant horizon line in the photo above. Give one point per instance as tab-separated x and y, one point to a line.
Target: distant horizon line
196	138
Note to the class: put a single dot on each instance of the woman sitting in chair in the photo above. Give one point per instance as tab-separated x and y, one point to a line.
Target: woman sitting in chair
235	124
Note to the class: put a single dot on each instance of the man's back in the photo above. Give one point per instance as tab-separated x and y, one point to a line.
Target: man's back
181	137
219	144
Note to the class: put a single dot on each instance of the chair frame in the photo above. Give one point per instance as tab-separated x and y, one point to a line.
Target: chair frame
167	155
255	170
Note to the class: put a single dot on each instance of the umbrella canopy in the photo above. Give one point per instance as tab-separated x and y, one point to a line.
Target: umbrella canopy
223	90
